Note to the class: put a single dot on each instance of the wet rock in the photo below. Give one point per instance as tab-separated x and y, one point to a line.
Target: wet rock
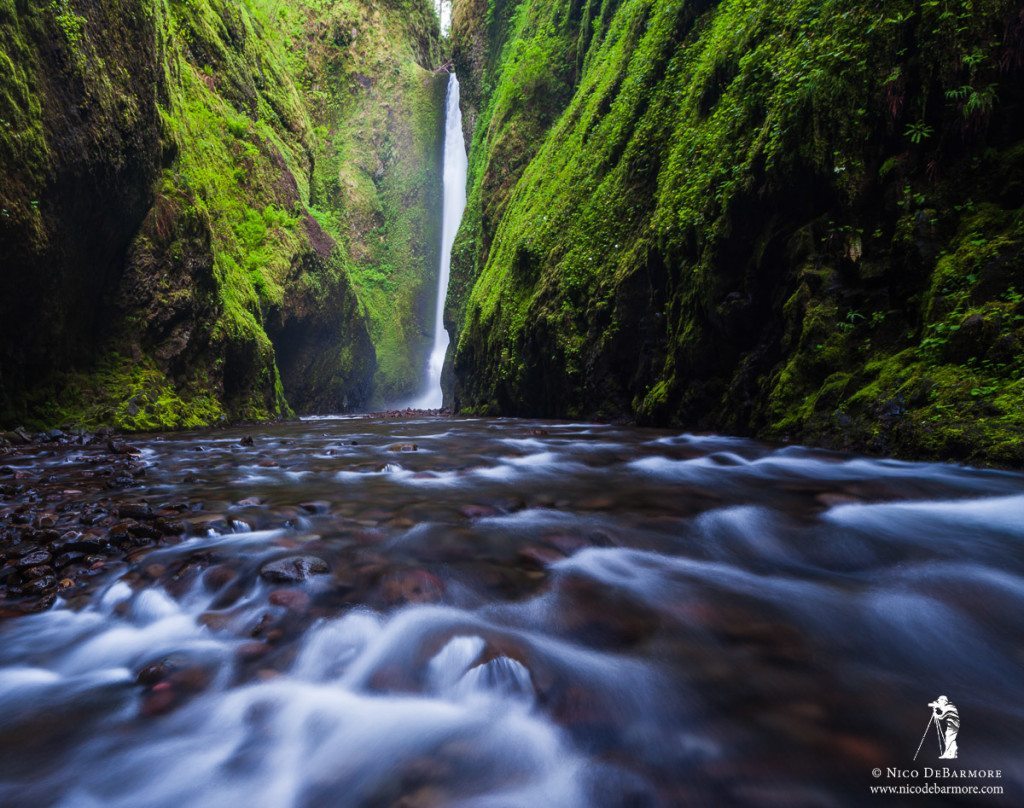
294	600
64	559
412	586
403	447
252	650
141	531
171	527
294	569
161	700
92	517
249	502
155	571
540	556
122	531
156	672
135	510
18	437
215	621
219	576
210	521
247	441
19	550
830	500
88	544
268	464
317	507
39	586
478	511
41	536
566	544
119	447
67	538
34	558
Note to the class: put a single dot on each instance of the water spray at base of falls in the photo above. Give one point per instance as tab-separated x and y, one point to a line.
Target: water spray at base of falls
455	167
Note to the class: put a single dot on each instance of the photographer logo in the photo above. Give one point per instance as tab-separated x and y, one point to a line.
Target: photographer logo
945	723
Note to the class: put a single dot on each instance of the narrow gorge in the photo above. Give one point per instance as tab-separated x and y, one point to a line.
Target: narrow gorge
511	403
795	221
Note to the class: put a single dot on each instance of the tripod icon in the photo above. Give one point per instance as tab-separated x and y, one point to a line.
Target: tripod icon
945	718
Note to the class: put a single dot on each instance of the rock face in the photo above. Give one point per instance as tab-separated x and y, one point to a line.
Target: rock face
791	219
194	204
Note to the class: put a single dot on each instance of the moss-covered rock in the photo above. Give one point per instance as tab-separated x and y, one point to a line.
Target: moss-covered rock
236	198
799	220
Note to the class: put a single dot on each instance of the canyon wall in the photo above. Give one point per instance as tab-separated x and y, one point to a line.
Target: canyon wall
796	220
215	210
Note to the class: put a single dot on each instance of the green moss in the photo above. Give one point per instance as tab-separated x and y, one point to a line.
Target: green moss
300	150
652	181
23	145
376	185
130	395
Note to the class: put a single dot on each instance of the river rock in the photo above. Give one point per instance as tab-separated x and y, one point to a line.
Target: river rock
478	511
34	558
64	559
40	585
294	600
293	569
413	586
135	510
119	447
540	556
170	527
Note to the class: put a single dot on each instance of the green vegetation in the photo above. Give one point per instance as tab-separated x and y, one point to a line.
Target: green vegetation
796	219
276	162
131	396
802	220
376	169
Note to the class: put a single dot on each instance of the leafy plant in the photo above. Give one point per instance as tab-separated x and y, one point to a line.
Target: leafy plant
918	132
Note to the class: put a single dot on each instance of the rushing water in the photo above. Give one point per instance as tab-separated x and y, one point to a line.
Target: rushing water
454	205
524	614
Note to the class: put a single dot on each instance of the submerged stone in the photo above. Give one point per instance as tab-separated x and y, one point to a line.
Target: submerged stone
294	569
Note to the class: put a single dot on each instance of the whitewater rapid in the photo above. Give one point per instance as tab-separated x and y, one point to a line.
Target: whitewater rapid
516	613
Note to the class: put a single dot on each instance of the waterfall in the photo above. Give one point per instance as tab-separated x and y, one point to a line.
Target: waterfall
444	15
453	205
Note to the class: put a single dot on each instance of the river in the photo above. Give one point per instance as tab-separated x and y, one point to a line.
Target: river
513	613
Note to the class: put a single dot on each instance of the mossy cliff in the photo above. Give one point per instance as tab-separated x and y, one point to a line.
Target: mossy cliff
799	219
214	210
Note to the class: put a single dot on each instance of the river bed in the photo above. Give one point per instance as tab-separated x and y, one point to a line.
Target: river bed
433	611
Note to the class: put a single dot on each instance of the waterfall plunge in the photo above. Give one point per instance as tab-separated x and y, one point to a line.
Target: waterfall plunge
455	166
